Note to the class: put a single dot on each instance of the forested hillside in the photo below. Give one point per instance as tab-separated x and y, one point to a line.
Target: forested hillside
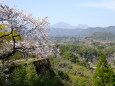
101	36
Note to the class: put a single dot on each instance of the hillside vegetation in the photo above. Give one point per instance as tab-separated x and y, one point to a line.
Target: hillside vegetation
101	36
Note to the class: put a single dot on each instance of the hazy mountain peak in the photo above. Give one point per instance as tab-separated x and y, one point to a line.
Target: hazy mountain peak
82	26
62	25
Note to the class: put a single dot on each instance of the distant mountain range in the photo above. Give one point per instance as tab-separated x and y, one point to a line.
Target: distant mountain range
62	29
64	25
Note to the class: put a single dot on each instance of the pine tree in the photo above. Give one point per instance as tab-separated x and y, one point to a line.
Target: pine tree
25	76
18	76
31	78
104	74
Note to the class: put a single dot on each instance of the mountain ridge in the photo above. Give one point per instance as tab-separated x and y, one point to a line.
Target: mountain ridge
63	25
57	32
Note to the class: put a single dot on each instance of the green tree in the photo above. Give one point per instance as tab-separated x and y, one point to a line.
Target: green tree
31	77
70	56
104	74
18	76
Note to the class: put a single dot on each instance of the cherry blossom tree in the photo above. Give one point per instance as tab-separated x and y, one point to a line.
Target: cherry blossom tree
24	33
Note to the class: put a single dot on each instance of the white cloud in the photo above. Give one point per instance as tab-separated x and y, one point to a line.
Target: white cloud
106	4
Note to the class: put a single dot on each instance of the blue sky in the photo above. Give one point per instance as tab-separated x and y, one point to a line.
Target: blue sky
90	12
